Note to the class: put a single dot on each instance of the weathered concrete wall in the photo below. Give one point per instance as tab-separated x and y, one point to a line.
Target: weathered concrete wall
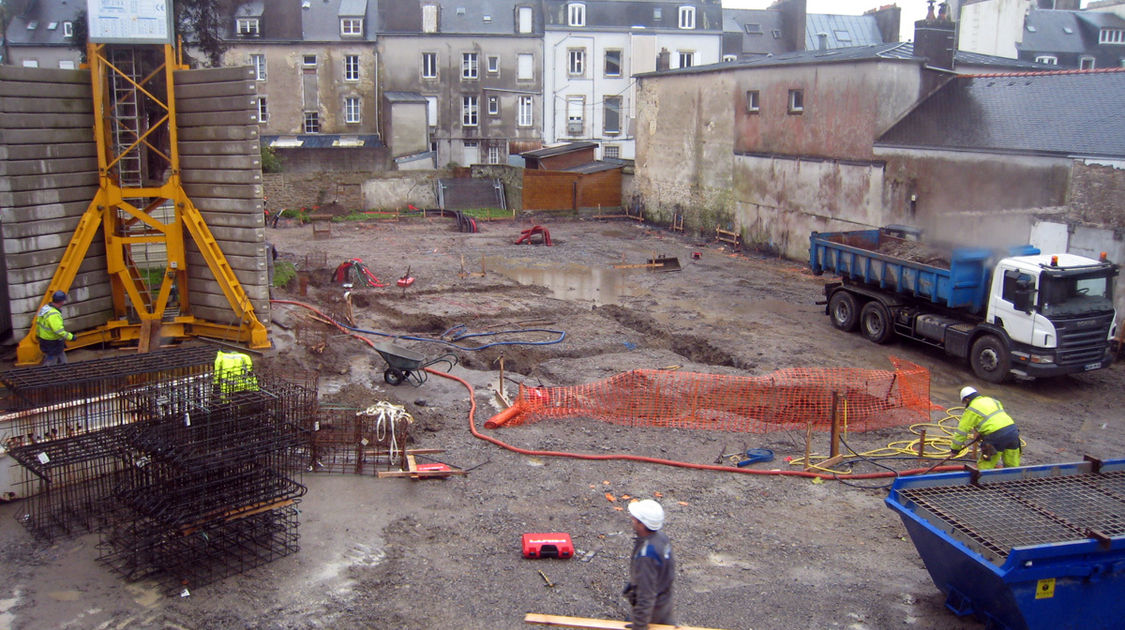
308	190
48	176
216	119
405	129
1097	195
398	190
779	201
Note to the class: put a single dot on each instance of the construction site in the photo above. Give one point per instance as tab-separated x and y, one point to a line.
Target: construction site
423	396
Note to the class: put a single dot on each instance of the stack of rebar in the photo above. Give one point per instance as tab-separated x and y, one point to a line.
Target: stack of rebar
187	479
65	423
345	440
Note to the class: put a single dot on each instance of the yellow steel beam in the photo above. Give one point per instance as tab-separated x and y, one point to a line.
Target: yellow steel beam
110	199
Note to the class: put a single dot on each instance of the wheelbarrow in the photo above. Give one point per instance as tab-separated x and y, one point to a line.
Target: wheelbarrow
405	364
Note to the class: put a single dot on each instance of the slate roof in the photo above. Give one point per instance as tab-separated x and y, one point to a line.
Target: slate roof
625	14
1052	31
302	20
46	22
764	35
569	147
404	97
322	141
844	31
894	50
483	17
1071	113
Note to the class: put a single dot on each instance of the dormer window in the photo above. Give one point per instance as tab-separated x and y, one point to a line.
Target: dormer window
429	18
1111	36
576	14
524	19
247	27
351	27
687	17
68	29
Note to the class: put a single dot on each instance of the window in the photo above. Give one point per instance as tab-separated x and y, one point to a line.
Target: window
493	154
52	26
611	115
687	17
469	65
576	14
657	14
68	29
351	109
469	111
309	61
611	152
351	26
431	111
525	67
576	65
523	20
247	26
31	63
351	67
66	64
752	28
493	105
524	116
1086	63
312	122
796	101
493	64
429	18
575	115
842	36
687	59
752	104
613	63
259	63
1047	59
263	110
429	65
1111	36
730	57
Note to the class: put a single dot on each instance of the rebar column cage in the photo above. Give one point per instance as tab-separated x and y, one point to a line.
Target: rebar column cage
135	115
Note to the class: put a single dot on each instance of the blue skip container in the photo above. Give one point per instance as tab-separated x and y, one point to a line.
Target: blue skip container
1030	548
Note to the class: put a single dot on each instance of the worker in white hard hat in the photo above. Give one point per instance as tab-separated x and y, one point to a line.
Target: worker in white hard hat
1000	439
652	568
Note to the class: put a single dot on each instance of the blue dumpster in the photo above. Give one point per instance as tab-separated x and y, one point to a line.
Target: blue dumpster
1036	547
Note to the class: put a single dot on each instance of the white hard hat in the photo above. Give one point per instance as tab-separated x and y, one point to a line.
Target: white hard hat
967	391
648	512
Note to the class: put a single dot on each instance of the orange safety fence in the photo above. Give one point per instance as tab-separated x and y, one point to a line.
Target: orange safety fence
792	398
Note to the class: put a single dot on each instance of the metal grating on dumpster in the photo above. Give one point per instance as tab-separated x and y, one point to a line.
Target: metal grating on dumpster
993	518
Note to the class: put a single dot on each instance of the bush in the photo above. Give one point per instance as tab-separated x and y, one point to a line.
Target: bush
270	162
283	273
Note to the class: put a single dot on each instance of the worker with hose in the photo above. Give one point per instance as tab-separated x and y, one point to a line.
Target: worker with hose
1000	439
51	332
652	568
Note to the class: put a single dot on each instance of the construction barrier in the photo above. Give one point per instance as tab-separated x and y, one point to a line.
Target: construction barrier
793	398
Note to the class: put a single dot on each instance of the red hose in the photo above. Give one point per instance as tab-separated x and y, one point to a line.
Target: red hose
622	456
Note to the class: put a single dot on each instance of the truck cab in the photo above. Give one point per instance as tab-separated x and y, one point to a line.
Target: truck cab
1057	311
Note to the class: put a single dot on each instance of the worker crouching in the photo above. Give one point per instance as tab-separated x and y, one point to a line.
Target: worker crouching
999	436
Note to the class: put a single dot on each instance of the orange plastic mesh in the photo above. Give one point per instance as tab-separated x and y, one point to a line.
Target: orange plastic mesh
791	398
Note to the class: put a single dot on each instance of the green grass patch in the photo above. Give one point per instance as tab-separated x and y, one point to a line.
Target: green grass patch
283	273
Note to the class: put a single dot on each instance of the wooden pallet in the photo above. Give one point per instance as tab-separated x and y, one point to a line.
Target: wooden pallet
413	472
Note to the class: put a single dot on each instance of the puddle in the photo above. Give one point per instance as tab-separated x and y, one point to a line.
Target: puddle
570	282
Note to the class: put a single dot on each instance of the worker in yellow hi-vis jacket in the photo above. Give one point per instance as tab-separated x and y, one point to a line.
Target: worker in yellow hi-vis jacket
51	332
1000	439
234	372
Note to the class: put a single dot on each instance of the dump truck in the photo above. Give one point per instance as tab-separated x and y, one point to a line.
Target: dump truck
1024	314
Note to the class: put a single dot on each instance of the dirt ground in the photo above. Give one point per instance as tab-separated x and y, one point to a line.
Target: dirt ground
754	552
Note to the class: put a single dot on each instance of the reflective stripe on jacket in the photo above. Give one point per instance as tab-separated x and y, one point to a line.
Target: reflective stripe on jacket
49	324
984	415
234	372
650	574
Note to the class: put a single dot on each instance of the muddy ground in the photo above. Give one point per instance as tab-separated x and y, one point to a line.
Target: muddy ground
754	552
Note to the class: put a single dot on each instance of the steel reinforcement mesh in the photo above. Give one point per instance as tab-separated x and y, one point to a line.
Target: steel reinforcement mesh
351	441
794	398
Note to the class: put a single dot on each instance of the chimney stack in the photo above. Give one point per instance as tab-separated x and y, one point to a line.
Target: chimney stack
935	38
663	59
822	38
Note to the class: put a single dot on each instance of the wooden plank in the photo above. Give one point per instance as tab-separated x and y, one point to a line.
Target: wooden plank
597	624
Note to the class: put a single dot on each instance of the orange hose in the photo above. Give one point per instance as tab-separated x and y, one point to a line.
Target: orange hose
623	456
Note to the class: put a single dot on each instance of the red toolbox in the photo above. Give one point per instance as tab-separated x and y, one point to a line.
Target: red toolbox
556	545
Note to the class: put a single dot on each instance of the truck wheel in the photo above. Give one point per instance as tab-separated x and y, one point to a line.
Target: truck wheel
844	311
990	359
875	322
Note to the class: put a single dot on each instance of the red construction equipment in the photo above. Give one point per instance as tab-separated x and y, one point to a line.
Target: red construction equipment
554	545
355	272
525	236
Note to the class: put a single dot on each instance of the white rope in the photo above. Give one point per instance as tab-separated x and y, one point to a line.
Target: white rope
388	417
